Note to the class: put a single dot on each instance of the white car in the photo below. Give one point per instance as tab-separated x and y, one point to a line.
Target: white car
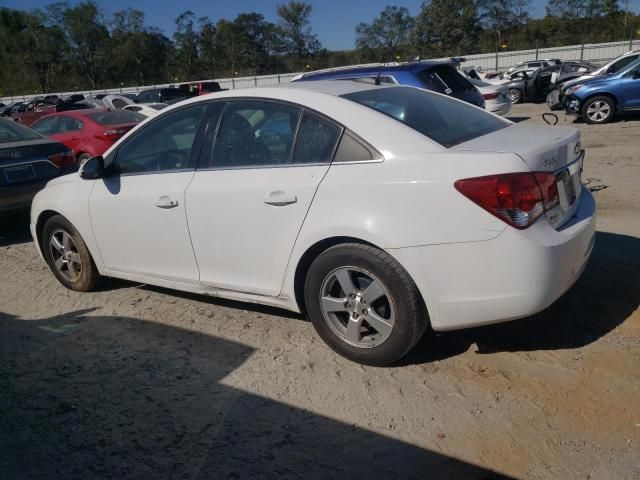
376	210
495	96
146	109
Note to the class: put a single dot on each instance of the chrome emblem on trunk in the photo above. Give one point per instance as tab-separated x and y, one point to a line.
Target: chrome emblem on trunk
15	154
550	162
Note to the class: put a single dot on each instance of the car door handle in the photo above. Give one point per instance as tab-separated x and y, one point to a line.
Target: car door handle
280	198
166	202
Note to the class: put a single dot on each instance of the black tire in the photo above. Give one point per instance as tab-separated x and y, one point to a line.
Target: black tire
607	110
88	276
515	95
411	318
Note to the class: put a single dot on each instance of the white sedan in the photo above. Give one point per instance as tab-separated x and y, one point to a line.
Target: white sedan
376	210
495	96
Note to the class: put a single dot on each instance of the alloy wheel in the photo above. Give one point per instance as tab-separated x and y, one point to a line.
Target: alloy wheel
65	255
598	111
357	307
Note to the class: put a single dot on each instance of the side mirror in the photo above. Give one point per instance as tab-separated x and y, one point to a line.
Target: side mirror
92	168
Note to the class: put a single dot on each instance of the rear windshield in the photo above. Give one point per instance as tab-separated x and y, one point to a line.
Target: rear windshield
117	117
442	119
14	132
444	79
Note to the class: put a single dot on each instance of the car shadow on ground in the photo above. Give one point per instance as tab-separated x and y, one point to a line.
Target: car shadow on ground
14	228
603	298
86	396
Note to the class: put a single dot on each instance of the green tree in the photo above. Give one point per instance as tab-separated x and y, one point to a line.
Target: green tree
444	28
186	41
388	34
298	39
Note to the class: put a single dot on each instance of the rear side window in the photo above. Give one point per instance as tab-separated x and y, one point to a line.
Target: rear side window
14	132
444	120
316	140
116	117
444	79
352	149
255	134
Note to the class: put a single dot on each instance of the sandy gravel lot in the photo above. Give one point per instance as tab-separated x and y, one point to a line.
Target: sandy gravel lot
140	382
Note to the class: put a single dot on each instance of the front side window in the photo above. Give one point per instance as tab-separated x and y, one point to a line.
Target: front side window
164	144
255	133
444	120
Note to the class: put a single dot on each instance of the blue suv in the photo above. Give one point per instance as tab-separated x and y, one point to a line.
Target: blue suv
438	77
599	99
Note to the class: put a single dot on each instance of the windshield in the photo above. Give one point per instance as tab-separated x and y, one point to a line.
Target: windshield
445	120
117	117
14	132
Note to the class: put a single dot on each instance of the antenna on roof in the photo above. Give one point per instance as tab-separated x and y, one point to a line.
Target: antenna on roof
377	82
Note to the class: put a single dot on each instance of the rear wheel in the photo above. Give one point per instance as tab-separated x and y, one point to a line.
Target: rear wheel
363	304
67	255
598	110
515	95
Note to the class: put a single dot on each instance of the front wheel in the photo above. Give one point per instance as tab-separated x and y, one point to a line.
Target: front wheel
68	255
363	304
598	110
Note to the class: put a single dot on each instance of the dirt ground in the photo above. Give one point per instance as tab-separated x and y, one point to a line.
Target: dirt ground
140	382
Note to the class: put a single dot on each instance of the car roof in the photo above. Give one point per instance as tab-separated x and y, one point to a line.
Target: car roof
373	69
80	113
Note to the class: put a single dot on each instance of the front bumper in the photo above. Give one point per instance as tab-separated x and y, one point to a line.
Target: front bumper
514	275
572	105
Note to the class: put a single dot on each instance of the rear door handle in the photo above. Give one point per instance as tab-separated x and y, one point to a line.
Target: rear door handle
279	198
166	202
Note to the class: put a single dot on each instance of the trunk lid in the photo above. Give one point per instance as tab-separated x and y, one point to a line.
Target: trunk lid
543	149
28	161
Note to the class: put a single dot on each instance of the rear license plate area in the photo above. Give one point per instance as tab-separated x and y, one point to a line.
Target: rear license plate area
569	184
19	173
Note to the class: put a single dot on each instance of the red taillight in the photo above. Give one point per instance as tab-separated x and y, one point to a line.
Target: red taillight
111	135
62	159
516	198
490	96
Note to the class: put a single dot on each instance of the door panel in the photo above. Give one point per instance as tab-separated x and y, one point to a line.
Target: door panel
138	211
244	223
631	92
137	236
246	209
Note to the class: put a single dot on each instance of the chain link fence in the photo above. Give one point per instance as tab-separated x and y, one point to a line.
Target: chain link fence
596	53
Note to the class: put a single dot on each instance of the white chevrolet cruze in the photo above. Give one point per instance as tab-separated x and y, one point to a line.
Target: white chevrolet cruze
378	211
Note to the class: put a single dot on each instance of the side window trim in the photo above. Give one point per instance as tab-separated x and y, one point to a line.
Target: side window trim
112	159
379	158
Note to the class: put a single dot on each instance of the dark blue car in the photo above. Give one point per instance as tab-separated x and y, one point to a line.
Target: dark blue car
599	99
438	77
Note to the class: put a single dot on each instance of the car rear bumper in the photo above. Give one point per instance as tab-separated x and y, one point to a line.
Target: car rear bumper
514	275
19	197
498	108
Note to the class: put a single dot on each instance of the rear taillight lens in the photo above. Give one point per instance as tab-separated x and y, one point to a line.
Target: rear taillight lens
111	135
62	159
516	198
490	96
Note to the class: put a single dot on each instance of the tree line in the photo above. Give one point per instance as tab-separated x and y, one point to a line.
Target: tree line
68	47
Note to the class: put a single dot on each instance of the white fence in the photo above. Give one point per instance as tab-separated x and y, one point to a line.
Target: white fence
597	53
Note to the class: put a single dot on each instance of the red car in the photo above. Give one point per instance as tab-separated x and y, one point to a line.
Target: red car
87	132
